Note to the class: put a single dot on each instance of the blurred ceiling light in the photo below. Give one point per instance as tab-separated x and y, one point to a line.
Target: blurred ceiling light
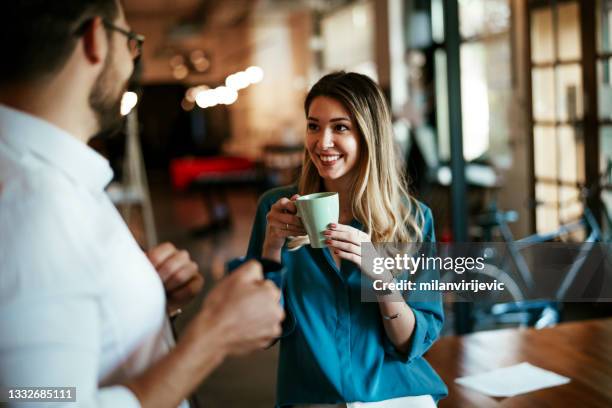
201	65
231	81
187	105
177	60
199	61
180	72
206	98
254	74
128	101
226	95
196	55
238	81
192	92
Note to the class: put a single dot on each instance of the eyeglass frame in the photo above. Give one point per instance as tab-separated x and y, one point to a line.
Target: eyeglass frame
131	35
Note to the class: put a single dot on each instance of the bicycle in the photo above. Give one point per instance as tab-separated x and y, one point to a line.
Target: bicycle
517	308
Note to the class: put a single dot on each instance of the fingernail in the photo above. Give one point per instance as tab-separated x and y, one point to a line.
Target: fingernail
328	241
332	225
327	232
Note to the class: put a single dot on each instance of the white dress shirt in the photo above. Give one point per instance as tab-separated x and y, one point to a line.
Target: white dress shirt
80	304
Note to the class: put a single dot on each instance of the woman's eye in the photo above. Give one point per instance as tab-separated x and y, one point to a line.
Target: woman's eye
313	126
341	128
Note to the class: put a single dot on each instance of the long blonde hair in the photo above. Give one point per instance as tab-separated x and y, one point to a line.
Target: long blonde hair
380	199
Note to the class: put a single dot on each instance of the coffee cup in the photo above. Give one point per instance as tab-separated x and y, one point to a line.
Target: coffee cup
317	211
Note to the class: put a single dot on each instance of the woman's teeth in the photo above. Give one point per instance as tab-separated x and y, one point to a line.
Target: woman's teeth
329	159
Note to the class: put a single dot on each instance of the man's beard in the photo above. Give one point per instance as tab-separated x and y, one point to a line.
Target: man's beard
105	100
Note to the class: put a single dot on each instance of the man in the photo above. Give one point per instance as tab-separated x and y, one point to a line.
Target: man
80	305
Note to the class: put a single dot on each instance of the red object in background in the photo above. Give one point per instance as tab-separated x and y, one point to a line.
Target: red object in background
446	236
185	171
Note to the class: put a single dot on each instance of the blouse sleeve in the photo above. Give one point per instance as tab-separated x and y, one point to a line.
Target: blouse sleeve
429	315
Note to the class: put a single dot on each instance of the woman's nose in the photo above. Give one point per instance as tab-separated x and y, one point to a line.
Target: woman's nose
326	139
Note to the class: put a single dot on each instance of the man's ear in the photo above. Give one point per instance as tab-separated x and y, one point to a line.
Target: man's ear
95	41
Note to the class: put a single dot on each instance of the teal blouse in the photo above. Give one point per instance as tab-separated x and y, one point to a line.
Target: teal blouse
334	347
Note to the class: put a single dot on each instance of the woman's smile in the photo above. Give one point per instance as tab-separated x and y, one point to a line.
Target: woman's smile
329	160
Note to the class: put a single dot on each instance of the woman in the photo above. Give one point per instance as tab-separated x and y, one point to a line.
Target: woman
341	350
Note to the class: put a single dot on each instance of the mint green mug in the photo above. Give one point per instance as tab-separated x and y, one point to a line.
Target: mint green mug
317	211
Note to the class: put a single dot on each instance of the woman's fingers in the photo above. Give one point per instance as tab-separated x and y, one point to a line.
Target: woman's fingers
282	216
285	205
286	222
348	256
287	229
344	246
346	233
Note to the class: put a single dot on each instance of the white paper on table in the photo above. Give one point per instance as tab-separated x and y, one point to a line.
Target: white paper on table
513	380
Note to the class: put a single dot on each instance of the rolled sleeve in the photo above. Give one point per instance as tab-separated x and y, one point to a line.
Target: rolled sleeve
428	315
427	326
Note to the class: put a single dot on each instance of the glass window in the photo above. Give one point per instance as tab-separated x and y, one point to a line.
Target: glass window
482	17
569	159
475	114
570	205
542	45
568	32
604	25
547	214
569	92
604	91
605	146
543	89
545	152
442	115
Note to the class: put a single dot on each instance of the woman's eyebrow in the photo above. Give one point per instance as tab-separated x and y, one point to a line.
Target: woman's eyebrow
343	118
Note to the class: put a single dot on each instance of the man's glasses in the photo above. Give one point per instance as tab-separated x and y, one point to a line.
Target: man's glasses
135	40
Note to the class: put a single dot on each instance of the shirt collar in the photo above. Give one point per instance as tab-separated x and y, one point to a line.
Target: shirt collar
29	134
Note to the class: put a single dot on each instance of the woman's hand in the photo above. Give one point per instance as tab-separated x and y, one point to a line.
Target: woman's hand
345	241
282	223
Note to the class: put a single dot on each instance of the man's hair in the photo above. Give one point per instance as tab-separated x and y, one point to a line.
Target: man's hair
38	36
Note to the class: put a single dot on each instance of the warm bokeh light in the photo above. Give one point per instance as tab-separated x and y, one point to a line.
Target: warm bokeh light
254	74
206	99
180	72
226	95
187	105
128	101
192	92
238	81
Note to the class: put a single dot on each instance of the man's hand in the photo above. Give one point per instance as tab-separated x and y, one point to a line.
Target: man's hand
241	313
180	275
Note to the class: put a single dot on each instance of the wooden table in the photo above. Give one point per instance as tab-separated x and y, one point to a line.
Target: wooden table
581	351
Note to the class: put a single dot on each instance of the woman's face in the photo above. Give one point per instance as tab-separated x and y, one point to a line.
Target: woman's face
332	139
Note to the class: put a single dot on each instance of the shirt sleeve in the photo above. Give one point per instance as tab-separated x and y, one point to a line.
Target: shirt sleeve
54	341
429	315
